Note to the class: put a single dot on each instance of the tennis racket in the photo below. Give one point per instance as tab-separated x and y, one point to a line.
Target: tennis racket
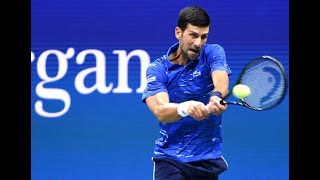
266	78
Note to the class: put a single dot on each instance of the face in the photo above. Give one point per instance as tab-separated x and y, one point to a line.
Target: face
192	40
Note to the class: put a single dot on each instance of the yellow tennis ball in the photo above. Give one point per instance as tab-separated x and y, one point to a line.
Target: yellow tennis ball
241	91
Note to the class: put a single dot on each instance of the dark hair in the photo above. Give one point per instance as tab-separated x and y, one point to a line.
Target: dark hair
194	15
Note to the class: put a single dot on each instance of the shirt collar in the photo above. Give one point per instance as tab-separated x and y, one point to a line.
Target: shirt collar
173	48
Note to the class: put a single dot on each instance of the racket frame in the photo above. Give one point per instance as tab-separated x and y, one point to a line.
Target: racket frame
243	102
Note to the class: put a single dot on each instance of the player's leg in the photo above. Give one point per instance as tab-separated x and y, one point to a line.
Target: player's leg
207	169
166	170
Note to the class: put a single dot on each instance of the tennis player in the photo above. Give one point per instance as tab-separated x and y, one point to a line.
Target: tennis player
184	88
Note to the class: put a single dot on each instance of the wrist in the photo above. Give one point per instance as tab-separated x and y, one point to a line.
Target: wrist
217	93
182	108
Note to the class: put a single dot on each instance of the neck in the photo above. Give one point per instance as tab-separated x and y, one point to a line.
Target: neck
178	58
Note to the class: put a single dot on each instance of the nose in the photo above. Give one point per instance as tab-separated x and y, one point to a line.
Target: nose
197	42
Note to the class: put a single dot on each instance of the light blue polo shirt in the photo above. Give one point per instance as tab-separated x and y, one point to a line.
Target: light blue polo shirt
187	140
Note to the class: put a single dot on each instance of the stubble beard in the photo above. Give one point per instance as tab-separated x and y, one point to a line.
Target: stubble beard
189	56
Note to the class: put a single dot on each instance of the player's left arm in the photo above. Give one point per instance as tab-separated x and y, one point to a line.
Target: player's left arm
220	80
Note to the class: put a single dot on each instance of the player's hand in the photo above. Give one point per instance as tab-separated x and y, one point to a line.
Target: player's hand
198	110
215	107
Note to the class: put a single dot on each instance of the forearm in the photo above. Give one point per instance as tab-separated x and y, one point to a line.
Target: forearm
221	82
161	107
222	88
167	113
172	112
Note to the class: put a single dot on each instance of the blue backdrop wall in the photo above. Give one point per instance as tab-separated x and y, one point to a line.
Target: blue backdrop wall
87	73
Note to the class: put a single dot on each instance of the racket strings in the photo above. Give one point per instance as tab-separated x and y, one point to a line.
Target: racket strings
267	82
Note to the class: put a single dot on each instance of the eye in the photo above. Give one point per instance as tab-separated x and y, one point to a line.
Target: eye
194	35
205	36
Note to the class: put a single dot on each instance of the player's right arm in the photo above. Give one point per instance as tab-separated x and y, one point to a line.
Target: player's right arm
160	106
157	98
167	112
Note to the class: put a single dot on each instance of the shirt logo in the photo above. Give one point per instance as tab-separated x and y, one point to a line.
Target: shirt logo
150	79
196	73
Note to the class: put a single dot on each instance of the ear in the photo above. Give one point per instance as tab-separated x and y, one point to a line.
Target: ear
178	33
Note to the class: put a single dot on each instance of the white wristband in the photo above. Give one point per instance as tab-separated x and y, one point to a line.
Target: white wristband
183	108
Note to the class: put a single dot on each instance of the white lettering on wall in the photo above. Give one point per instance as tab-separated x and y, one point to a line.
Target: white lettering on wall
99	70
123	70
52	93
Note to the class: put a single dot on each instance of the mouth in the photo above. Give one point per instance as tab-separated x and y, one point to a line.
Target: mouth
195	51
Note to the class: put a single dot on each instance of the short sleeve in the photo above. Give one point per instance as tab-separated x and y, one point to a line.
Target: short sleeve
156	80
217	58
